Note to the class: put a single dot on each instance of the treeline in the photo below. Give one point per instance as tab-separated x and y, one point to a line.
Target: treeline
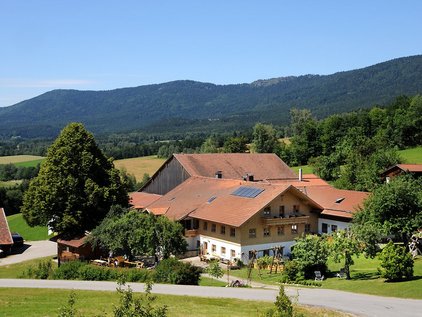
12	172
352	149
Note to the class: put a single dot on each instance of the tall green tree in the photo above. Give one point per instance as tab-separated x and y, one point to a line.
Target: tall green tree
394	208
343	245
264	138
76	184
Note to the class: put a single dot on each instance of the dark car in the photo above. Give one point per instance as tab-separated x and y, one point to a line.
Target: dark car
17	239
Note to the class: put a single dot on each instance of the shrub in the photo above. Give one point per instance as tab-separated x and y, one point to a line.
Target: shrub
68	270
291	272
311	253
214	269
43	270
172	271
264	262
283	306
95	273
396	262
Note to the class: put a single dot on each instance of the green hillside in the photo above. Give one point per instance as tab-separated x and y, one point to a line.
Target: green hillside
204	107
412	156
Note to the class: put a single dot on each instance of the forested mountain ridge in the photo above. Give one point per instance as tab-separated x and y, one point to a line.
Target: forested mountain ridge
189	105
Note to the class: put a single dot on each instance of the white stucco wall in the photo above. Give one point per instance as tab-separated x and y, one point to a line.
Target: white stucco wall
341	225
220	243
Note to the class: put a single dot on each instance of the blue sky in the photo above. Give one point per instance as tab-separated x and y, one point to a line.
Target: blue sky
101	45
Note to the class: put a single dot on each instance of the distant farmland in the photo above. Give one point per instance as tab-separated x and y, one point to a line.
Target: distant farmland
138	166
22	160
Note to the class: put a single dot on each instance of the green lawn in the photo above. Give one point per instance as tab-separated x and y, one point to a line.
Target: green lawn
16	270
46	302
33	163
412	156
207	281
306	169
18	224
365	279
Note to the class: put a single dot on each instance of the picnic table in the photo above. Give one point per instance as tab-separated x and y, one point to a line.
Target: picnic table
100	262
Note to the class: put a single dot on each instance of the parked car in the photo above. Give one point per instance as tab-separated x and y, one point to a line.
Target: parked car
2	253
17	239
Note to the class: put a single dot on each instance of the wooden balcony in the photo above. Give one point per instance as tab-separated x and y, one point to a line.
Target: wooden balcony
279	221
191	233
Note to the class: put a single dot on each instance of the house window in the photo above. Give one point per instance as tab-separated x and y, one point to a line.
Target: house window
232	232
213	248
296	208
333	228
252	233
205	225
280	230
223	230
294	229
324	228
213	227
267	211
281	211
267	232
307	228
232	253
223	251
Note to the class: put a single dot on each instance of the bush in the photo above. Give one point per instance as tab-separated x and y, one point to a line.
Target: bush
172	271
283	306
43	270
291	272
396	262
68	270
264	262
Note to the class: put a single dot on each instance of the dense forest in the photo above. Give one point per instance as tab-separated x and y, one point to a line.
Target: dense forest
167	111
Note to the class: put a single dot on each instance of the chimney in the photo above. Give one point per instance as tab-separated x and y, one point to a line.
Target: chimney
219	174
300	175
250	177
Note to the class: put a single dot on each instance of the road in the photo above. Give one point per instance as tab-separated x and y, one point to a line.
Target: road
357	304
31	250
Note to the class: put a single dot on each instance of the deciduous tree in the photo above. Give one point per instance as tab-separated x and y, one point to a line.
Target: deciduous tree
76	184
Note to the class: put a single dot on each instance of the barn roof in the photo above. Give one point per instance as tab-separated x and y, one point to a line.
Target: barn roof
236	165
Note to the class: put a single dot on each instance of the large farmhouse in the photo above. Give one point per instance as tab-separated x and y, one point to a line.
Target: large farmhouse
230	206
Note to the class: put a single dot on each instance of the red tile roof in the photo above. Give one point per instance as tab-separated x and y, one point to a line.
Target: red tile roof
336	202
5	236
75	242
139	200
212	199
236	165
307	180
413	168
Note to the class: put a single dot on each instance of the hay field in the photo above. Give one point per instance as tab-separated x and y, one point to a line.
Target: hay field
138	166
19	159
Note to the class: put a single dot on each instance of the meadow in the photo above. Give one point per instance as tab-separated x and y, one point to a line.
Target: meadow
365	278
138	166
21	160
18	224
46	302
412	156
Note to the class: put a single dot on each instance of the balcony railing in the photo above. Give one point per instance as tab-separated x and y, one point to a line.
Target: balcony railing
191	233
286	220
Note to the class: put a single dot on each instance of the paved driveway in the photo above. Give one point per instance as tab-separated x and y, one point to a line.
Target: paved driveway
357	304
31	250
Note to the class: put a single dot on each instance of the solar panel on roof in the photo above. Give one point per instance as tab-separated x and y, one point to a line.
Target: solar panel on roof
248	192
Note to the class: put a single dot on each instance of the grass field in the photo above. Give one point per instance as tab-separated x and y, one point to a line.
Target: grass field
19	159
412	156
10	183
365	279
18	224
138	166
306	169
33	163
45	302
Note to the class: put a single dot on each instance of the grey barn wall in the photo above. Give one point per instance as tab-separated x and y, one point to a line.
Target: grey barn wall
168	177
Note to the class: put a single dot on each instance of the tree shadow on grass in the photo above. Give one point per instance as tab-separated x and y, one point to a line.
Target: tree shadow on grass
365	276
